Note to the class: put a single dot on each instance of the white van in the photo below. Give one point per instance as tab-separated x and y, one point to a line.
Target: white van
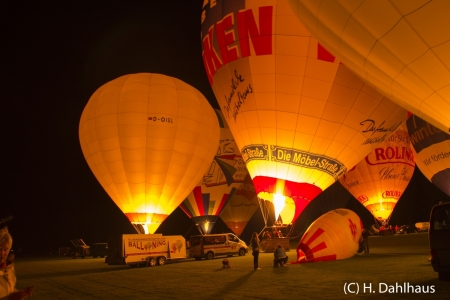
211	245
439	236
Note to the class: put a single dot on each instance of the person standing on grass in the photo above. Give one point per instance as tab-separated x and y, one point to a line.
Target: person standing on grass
365	240
255	247
7	273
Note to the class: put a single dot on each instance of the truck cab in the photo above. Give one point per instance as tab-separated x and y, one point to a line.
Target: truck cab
439	237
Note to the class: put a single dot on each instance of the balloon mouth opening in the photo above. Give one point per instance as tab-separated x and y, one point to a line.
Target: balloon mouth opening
278	200
144	228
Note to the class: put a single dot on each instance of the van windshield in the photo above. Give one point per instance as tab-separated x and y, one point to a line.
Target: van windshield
441	218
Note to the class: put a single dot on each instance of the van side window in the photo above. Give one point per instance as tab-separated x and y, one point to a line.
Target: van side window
220	239
210	241
195	241
441	218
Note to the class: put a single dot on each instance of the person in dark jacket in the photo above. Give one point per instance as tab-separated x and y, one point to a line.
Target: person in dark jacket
365	240
280	257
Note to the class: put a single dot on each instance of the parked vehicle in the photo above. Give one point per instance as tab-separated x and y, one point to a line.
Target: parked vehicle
422	226
145	249
99	249
405	229
212	245
439	237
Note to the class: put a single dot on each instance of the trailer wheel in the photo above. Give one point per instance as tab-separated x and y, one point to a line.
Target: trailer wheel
161	260
209	255
242	252
151	262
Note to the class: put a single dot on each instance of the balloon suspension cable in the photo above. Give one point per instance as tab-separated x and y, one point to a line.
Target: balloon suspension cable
388	219
185	235
264	210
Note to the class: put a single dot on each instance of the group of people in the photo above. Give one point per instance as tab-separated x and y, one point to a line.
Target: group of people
388	229
280	257
7	273
276	234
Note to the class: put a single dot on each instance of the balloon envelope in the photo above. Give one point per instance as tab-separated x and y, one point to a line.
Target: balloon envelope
335	235
379	180
241	207
401	47
219	183
148	139
299	117
432	151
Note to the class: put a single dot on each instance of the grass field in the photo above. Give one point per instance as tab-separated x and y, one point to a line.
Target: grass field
392	259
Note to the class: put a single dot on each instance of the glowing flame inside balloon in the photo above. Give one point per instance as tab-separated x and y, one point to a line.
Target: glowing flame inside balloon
279	202
207	226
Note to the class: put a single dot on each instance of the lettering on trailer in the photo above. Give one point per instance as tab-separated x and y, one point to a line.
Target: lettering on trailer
146	244
294	157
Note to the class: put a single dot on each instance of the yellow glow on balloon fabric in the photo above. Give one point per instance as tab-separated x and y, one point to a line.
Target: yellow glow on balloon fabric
148	139
240	208
432	151
335	235
379	180
279	203
401	47
300	118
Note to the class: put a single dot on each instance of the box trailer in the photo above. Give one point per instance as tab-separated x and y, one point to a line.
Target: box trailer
145	249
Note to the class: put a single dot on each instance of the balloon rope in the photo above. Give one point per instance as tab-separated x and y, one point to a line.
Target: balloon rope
264	212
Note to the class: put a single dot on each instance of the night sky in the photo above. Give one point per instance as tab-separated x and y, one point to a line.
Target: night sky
54	56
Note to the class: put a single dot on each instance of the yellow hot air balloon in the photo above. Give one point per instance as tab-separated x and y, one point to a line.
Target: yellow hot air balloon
241	207
299	116
401	47
148	139
335	235
379	180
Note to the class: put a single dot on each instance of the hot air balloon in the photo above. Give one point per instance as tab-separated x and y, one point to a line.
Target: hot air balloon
401	47
299	117
241	207
432	150
148	139
335	235
219	183
379	180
